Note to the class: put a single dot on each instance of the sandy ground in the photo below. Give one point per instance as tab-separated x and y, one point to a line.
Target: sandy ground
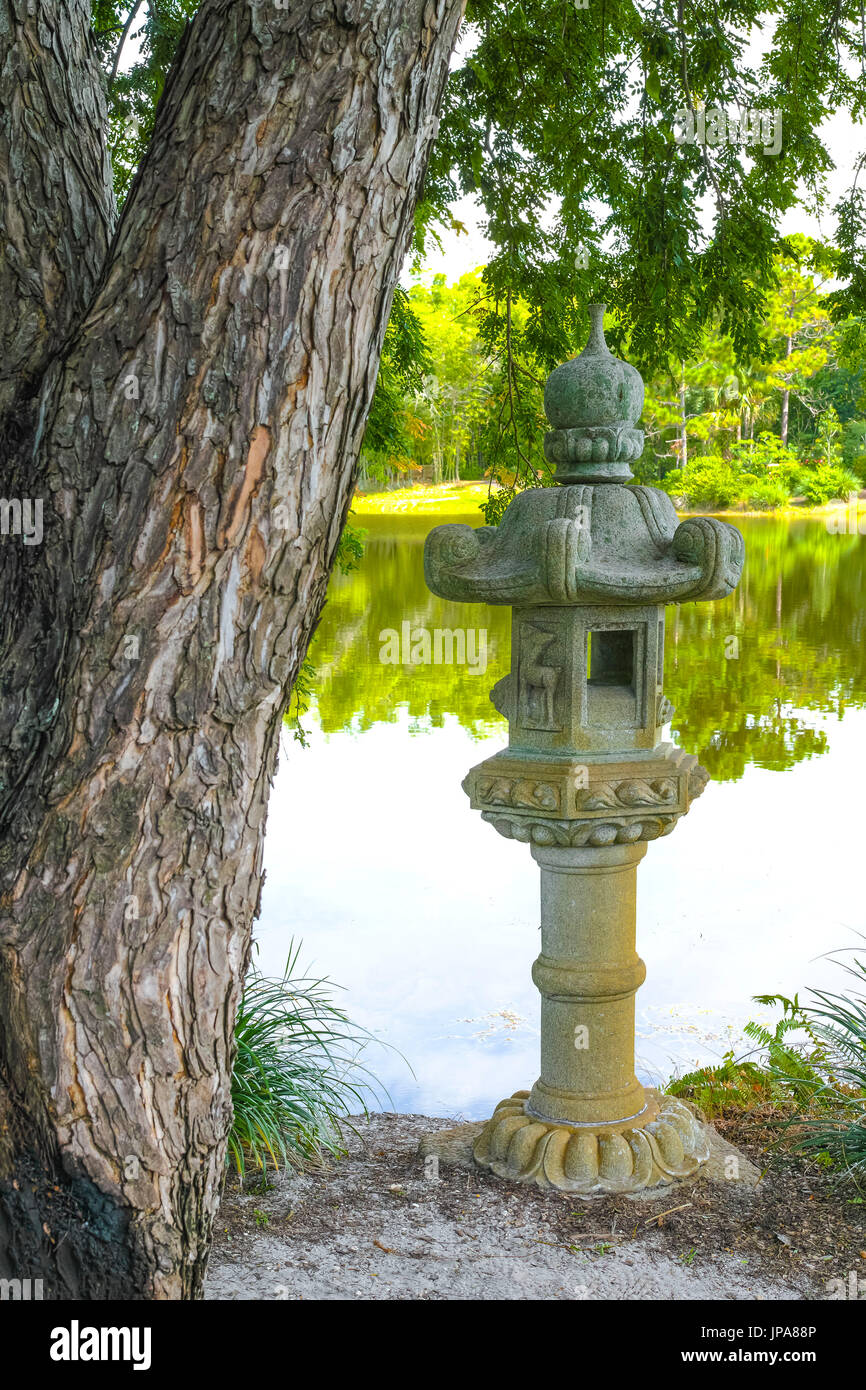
375	1226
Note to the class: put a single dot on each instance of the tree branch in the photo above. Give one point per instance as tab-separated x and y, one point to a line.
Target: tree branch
707	162
123	37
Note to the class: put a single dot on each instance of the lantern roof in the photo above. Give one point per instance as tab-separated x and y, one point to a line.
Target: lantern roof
596	538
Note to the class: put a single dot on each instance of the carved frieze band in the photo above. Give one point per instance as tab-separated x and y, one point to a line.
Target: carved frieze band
610	796
627	794
521	791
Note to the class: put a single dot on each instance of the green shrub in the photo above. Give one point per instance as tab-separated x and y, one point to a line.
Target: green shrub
296	1074
854	448
761	494
766	457
821	482
763	473
709	481
759	474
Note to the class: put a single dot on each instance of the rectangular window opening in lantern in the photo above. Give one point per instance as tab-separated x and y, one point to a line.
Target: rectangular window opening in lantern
610	666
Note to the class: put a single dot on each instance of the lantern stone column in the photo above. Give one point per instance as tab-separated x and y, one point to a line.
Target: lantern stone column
587	975
587	779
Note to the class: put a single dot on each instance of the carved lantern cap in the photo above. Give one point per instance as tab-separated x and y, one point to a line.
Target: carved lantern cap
594	403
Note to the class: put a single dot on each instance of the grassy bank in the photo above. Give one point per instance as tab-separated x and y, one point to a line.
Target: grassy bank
423	498
461	499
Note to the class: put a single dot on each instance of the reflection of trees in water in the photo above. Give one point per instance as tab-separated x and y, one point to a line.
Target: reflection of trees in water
799	616
354	689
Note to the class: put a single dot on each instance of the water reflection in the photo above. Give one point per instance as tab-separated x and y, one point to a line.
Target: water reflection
797	620
430	919
355	689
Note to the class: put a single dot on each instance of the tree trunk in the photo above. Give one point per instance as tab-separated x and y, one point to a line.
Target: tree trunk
684	437
437	456
786	394
786	401
192	428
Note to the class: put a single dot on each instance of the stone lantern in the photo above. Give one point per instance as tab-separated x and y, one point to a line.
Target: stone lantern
586	781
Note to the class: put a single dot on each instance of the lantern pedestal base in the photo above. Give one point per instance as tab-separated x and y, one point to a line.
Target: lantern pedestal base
594	1159
491	1146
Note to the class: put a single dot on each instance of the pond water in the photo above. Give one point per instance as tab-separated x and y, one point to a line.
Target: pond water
429	919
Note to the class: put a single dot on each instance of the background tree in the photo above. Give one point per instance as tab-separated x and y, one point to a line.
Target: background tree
801	331
457	393
724	402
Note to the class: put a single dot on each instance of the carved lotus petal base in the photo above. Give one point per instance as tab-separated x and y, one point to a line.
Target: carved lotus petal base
518	1146
575	834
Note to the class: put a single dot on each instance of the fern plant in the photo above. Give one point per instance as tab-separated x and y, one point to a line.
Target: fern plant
744	1082
732	1082
832	1125
812	1066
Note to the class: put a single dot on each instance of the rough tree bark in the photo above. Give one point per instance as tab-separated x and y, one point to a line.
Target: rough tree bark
189	403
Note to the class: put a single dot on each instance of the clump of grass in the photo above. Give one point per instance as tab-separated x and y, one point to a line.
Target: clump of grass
297	1074
817	1080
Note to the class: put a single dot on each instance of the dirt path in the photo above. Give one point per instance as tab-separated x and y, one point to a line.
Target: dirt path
375	1227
